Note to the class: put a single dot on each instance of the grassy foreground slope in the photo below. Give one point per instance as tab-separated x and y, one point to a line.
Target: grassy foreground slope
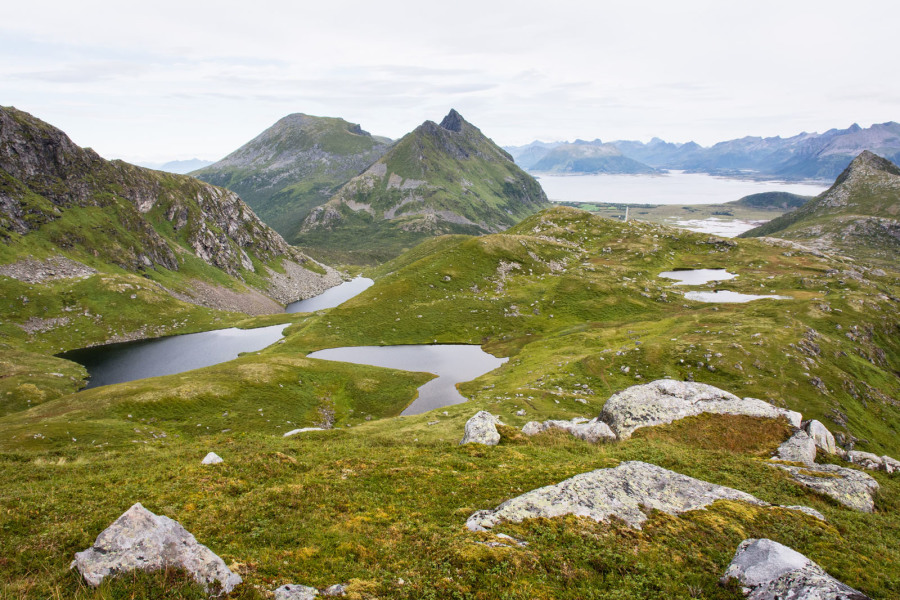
576	303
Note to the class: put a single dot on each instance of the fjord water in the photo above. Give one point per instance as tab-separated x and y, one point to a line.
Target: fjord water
331	297
676	187
118	363
452	363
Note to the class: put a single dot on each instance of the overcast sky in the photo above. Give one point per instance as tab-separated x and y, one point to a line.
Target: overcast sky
163	80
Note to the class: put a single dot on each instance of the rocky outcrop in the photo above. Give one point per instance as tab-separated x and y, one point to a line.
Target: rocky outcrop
593	430
873	462
293	591
666	400
850	487
820	435
482	429
142	540
39	271
768	570
212	459
798	448
624	492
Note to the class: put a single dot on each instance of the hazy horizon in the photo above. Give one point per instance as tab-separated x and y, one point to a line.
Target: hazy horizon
175	81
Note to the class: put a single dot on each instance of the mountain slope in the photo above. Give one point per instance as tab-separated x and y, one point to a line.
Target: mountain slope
588	158
74	225
294	166
858	216
447	178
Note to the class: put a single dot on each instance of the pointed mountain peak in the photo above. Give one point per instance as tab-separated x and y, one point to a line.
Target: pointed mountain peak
453	121
867	161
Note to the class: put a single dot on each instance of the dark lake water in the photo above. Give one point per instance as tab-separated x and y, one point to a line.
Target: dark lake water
452	363
117	363
332	297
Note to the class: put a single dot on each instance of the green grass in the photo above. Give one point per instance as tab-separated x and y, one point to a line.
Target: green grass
387	497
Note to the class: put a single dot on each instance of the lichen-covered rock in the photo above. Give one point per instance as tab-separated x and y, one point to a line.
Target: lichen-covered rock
890	465
293	591
806	510
142	540
592	431
621	492
666	400
866	460
820	435
768	570
338	589
212	459
850	487
798	448
482	429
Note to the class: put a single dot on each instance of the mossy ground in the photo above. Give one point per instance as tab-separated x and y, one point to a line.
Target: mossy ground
375	501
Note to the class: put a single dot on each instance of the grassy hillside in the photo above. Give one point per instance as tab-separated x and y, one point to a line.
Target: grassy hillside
438	179
575	301
294	166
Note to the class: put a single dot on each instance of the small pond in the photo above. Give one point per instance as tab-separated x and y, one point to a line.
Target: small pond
117	363
331	297
452	363
730	297
697	276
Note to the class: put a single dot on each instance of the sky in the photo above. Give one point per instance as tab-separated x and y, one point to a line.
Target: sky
158	81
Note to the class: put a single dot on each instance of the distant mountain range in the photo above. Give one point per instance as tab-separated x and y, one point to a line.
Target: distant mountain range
804	156
438	179
295	165
585	157
859	216
180	167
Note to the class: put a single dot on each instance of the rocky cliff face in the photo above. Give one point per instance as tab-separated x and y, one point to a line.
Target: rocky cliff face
54	193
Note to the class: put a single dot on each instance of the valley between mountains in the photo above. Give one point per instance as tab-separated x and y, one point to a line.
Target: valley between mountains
464	249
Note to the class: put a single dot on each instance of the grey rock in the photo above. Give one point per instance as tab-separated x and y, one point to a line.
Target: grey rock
592	431
293	591
482	429
622	492
212	459
850	487
890	465
142	540
338	589
768	570
798	448
866	460
520	413
820	435
667	400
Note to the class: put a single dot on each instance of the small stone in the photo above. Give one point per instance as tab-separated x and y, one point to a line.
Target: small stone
212	459
293	591
520	413
482	429
301	430
338	589
807	510
771	571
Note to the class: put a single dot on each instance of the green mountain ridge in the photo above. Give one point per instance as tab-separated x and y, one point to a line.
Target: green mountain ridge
96	251
295	165
438	179
858	216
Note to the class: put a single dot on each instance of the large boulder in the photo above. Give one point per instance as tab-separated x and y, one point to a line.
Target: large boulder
768	570
850	487
622	492
593	431
142	540
798	448
667	400
482	429
820	435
